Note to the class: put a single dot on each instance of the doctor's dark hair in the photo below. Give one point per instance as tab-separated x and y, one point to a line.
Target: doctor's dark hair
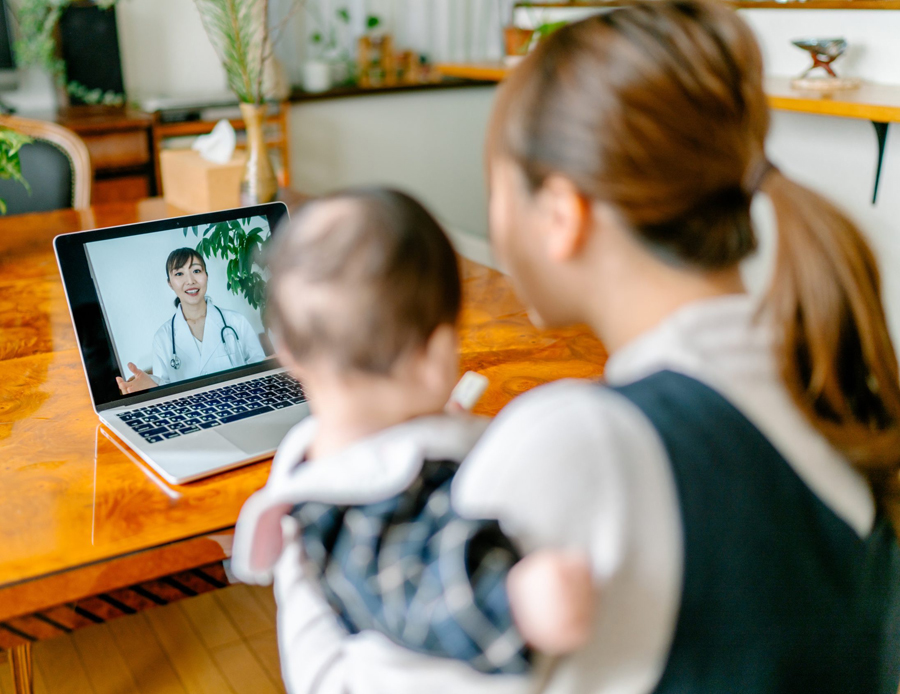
361	277
657	110
179	258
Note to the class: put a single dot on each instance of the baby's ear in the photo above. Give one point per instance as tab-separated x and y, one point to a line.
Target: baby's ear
440	359
443	344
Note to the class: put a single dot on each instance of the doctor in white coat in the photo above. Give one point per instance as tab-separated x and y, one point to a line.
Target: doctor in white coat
200	338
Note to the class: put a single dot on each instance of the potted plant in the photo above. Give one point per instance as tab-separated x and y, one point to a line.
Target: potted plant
328	46
239	31
240	243
37	46
518	40
10	166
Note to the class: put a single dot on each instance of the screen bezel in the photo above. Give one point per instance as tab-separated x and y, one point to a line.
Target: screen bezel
94	342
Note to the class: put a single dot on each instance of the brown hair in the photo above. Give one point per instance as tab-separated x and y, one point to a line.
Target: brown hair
362	277
658	110
179	258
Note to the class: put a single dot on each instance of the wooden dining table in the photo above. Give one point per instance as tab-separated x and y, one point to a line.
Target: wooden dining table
87	531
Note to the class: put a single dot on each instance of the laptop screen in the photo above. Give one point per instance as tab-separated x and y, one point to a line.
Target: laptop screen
179	302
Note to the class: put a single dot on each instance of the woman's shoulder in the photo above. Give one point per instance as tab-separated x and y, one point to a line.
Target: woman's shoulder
578	406
572	429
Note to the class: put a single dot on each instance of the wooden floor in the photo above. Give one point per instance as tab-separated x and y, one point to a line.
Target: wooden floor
216	643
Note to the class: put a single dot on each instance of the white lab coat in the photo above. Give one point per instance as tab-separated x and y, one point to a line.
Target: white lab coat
215	355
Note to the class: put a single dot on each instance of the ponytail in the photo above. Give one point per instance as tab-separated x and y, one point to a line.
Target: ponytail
835	351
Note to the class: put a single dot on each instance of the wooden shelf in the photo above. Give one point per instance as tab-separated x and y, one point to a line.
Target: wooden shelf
298	95
879	103
491	72
873	102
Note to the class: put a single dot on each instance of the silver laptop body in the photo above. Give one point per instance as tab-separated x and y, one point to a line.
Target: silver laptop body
197	427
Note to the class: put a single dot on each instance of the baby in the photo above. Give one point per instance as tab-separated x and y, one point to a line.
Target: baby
364	299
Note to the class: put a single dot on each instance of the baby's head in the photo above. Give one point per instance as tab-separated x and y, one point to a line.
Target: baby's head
365	292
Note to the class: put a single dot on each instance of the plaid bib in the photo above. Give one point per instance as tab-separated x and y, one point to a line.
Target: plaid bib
413	569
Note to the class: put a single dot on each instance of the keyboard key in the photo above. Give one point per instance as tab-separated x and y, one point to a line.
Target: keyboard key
188	430
170	434
154	439
153	432
248	413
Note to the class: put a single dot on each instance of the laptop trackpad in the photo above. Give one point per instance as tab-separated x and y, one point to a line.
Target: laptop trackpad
263	433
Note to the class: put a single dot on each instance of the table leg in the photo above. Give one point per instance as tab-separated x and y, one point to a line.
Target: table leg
22	673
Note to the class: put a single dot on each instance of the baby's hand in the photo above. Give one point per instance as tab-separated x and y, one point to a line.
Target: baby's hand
552	598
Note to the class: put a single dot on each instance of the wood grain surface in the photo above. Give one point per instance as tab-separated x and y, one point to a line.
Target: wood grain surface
81	514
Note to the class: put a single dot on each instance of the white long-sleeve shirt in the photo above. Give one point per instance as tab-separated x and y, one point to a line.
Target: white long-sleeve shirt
572	464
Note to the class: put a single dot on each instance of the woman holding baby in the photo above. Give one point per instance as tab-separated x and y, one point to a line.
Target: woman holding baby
733	481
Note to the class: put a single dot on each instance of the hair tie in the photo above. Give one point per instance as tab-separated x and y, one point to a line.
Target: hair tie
757	175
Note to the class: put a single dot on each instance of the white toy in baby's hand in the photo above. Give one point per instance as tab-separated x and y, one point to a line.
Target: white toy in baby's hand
469	389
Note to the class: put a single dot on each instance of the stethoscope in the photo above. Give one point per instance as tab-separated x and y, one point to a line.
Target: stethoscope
175	361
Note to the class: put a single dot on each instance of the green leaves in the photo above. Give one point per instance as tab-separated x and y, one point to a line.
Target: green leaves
241	248
10	166
237	30
36	45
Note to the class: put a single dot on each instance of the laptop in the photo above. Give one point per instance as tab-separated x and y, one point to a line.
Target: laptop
209	396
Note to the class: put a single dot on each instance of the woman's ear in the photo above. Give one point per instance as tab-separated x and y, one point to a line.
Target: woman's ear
567	215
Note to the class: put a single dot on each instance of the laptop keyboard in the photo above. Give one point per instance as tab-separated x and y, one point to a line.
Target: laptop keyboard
212	408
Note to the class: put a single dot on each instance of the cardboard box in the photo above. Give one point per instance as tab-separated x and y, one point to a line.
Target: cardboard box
195	185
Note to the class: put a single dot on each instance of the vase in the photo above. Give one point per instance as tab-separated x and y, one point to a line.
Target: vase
258	184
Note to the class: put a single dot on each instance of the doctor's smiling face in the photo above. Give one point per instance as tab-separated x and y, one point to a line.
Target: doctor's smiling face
187	276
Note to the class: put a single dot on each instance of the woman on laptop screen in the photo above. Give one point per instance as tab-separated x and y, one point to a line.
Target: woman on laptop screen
200	338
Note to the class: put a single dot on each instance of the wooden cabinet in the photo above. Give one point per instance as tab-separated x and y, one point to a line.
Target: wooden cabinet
125	144
120	141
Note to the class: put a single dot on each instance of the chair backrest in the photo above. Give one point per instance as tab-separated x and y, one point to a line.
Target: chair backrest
56	165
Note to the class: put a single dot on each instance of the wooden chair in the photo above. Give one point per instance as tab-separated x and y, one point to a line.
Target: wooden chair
56	165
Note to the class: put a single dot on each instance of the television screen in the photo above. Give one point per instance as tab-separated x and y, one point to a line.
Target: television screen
6	55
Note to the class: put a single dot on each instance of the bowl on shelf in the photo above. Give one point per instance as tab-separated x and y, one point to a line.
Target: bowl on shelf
823	53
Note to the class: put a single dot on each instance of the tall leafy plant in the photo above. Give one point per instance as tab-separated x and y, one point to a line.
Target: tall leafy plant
239	31
240	245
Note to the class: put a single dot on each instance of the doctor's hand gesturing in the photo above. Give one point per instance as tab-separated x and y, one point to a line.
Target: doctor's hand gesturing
140	381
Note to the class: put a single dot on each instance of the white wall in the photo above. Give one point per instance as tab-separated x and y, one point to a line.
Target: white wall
428	143
165	51
130	274
873	50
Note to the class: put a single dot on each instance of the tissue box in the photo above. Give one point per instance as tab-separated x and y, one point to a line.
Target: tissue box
195	185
